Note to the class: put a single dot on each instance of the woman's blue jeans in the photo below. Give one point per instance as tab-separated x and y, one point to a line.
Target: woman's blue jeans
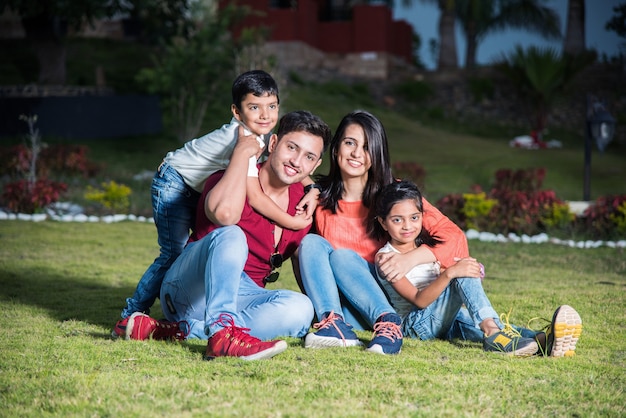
207	279
340	280
174	209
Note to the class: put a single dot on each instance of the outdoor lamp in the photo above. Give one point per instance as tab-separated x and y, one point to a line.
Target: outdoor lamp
600	125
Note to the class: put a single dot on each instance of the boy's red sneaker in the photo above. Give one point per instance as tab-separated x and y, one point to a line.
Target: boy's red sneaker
120	328
142	327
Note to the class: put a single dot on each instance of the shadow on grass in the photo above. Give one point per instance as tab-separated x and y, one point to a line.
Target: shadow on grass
65	297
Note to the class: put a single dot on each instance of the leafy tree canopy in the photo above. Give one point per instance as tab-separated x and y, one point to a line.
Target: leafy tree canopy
617	23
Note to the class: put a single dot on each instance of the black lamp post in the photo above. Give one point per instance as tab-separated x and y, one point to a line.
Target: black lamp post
600	125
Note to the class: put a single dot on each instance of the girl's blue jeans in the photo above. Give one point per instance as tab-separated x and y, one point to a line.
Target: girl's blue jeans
456	313
174	208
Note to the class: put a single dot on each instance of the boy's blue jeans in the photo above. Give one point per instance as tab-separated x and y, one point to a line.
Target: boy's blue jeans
207	279
174	208
341	281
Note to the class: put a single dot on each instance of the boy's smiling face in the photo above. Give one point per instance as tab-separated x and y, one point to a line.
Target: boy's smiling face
257	114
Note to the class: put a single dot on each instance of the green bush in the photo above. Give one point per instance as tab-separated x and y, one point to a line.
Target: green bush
476	209
481	88
414	91
112	196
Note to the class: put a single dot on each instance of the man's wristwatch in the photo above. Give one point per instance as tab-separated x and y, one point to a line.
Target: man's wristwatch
312	186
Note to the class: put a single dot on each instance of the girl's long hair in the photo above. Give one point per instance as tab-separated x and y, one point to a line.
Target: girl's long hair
397	192
379	173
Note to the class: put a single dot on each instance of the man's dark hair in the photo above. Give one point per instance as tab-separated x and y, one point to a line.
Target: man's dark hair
257	82
304	121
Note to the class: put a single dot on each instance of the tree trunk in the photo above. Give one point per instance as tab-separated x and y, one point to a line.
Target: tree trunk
46	35
470	52
574	42
51	55
447	41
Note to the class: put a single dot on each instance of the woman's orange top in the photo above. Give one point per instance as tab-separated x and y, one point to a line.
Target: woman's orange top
347	229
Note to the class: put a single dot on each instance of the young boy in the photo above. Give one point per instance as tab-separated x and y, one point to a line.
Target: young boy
180	179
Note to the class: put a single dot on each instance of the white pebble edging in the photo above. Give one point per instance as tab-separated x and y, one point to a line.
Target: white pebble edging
70	217
470	234
539	239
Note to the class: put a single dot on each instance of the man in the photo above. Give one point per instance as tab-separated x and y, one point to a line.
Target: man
215	288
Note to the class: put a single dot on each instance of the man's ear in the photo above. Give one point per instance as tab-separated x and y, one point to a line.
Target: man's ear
319	162
235	112
271	145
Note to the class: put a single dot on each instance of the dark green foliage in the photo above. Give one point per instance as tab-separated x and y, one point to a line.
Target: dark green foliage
414	91
481	88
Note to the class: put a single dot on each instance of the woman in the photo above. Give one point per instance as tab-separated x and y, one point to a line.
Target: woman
337	264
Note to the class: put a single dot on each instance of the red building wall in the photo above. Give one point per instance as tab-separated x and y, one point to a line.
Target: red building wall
371	29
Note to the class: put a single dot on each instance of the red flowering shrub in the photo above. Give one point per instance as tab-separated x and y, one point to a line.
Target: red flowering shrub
22	197
521	208
452	206
68	159
605	218
409	170
529	180
60	159
14	160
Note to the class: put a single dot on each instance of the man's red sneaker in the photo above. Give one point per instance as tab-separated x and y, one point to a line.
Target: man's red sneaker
234	341
141	327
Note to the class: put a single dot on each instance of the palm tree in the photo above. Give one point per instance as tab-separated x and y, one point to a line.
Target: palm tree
575	33
447	41
480	18
540	77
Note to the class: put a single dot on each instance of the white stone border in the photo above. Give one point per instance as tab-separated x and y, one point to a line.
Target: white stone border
80	217
539	239
470	234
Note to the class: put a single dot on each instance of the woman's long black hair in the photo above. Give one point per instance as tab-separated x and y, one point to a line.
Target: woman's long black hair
397	192
379	173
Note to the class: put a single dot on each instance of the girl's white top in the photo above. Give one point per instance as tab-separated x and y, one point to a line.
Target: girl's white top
420	276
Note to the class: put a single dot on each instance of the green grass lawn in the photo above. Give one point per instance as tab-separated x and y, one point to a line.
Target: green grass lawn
62	286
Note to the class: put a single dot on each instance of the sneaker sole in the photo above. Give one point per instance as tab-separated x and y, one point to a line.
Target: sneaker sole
529	350
278	348
378	349
566	327
314	341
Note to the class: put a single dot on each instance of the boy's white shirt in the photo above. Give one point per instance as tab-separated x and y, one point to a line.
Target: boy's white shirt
197	159
253	170
420	276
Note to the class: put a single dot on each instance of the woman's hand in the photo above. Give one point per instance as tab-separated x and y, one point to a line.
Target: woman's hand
393	266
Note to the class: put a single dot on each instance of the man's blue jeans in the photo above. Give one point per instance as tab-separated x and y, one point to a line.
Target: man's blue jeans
174	208
207	279
341	281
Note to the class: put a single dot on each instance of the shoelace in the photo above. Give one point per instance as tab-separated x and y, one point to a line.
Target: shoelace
172	329
388	329
237	334
328	322
538	318
508	329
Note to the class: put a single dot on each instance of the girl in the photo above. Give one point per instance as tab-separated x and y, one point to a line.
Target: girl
429	299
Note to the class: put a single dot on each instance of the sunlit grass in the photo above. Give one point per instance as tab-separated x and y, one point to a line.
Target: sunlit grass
63	285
